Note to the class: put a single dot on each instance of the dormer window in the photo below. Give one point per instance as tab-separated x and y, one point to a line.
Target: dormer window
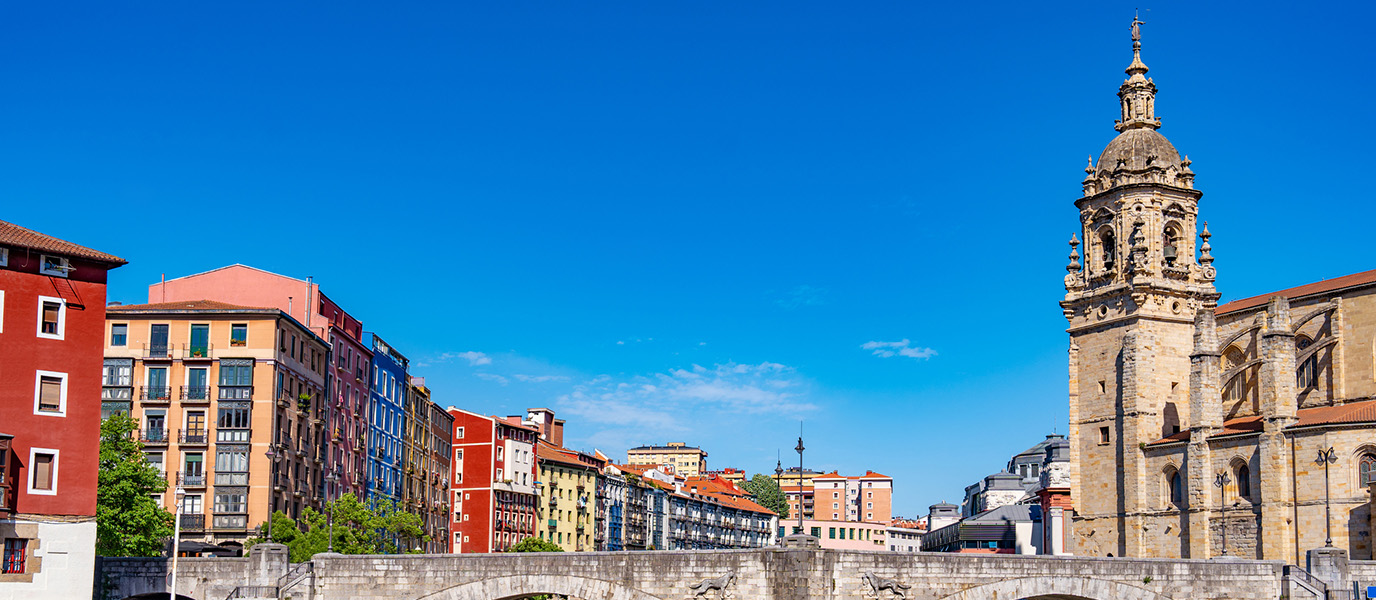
55	265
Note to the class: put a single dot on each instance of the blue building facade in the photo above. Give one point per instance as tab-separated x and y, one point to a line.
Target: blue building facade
386	418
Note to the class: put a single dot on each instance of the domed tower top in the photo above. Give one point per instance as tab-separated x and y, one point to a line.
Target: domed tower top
1139	154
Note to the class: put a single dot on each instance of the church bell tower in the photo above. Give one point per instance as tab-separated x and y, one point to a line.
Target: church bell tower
1131	302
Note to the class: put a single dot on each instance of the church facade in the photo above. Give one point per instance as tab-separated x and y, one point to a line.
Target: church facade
1198	430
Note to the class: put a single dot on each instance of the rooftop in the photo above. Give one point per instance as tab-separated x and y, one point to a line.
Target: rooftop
1352	412
1362	279
188	306
14	236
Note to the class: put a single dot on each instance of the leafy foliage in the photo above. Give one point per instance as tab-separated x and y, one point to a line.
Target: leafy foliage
534	544
129	522
767	494
358	529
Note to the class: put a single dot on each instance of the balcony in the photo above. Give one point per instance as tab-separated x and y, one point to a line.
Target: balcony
195	394
153	436
193	522
233	435
155	395
234	522
230	478
190	479
196	351
193	437
158	352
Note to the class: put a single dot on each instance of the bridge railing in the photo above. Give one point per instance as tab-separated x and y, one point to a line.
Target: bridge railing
253	591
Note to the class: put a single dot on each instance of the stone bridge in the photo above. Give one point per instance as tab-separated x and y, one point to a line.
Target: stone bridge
763	574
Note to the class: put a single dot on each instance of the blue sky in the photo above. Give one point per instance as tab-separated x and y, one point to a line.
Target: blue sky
697	222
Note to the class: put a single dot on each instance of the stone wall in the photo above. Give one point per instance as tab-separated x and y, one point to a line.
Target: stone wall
199	578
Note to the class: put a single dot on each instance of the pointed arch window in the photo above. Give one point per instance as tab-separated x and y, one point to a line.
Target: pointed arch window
1242	474
1306	374
1366	469
1175	487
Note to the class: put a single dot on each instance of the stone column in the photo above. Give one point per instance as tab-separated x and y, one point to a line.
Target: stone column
1206	420
266	563
1278	406
1139	350
1330	565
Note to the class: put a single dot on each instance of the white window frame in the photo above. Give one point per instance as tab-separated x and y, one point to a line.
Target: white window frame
38	389
33	454
59	272
2	303
111	335
61	318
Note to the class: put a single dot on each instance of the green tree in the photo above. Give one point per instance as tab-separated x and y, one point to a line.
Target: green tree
358	529
767	494
534	544
129	522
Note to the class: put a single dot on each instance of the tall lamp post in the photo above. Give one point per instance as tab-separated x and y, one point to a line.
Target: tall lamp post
176	542
800	484
272	480
332	477
1219	482
1327	457
779	477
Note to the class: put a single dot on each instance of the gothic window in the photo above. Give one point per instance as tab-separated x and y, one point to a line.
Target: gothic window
1242	474
1234	389
1366	469
1174	487
1107	247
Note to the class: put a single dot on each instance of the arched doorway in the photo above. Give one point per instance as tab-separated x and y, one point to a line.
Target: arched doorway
512	587
1056	588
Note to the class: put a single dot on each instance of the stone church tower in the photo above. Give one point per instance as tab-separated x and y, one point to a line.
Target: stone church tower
1131	304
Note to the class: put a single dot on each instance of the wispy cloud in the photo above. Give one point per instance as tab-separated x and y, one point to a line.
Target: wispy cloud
902	347
493	377
803	295
474	359
677	400
539	378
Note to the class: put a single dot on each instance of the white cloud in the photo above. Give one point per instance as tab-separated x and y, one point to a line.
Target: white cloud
492	377
903	347
475	358
679	400
539	378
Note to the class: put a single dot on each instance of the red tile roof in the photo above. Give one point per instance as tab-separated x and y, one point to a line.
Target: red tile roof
1318	287
198	305
14	236
1352	412
549	452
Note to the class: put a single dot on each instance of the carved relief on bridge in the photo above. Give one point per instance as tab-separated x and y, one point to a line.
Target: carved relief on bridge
703	589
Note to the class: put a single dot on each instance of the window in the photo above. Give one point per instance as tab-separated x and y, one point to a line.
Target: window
14	557
1244	481
119	334
1175	487
233	416
458	434
231	500
55	265
4	256
1106	249
1366	470
236	378
43	471
52	318
155	459
1305	375
1104	437
238	334
50	394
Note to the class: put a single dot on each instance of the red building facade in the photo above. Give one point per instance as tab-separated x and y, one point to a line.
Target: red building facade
493	482
52	323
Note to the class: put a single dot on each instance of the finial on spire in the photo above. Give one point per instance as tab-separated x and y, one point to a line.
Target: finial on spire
1074	266
1137	28
1205	258
1089	168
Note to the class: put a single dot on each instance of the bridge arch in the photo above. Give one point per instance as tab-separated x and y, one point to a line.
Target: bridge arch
517	586
1059	588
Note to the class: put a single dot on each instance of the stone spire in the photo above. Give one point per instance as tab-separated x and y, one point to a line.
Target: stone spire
1138	93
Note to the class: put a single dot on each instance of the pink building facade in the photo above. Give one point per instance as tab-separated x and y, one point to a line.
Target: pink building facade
348	378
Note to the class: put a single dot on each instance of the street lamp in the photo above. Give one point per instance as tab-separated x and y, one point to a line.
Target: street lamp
272	480
332	477
1327	457
176	541
800	449
1221	481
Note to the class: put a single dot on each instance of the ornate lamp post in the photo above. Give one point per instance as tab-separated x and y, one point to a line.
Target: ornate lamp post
176	542
272	480
1219	482
1327	457
332	477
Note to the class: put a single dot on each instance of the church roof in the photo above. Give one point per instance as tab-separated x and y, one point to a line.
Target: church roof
1352	412
1137	150
1364	278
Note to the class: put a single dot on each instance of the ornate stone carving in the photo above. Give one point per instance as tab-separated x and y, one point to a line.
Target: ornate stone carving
701	588
878	584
